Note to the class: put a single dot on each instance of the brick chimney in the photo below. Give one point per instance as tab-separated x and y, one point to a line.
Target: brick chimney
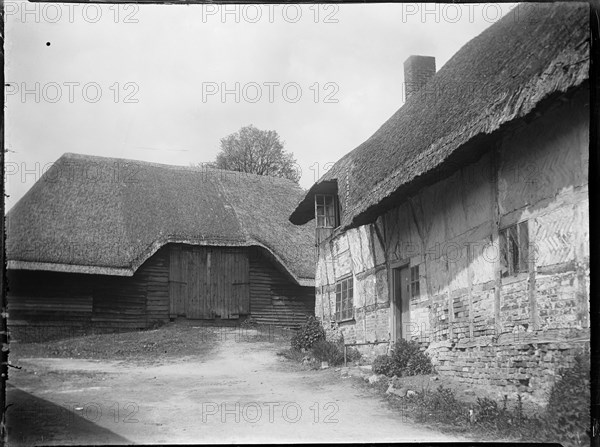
417	71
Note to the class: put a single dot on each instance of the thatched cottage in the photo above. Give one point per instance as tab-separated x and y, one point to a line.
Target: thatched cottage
463	221
110	242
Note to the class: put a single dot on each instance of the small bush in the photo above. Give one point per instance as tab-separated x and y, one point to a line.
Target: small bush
308	334
406	360
327	351
353	354
383	364
409	360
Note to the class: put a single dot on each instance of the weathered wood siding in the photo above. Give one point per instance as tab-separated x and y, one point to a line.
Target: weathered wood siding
54	299
274	299
177	281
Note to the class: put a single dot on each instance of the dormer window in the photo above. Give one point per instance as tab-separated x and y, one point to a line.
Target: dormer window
326	211
327	215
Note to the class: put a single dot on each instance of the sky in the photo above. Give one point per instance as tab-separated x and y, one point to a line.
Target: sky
164	83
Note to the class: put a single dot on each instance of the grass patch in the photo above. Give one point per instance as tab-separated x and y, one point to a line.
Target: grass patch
565	419
150	345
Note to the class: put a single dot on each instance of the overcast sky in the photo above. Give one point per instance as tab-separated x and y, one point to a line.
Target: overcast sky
147	82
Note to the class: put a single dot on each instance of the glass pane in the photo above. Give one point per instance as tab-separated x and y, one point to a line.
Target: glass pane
338	287
513	247
319	200
329	200
523	247
503	254
416	289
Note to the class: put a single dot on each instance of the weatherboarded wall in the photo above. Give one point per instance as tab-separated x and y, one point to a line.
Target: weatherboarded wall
274	299
177	281
512	332
46	304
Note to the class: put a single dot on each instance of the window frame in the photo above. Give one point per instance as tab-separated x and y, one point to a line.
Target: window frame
415	284
514	249
344	305
330	214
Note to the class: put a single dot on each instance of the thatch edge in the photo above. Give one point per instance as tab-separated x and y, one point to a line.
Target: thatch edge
129	271
69	268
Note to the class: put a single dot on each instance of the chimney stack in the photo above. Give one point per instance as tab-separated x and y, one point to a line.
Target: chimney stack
417	71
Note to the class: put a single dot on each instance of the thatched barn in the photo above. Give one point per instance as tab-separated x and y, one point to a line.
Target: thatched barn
462	223
110	242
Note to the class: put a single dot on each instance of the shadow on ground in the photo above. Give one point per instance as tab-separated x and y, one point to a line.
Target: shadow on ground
34	421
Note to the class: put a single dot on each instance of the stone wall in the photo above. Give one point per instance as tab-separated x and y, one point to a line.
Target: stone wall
513	333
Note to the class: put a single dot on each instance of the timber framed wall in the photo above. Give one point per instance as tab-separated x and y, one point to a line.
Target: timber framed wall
480	324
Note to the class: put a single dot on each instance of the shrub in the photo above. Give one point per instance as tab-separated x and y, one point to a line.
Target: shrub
352	354
308	334
409	360
383	364
420	363
327	351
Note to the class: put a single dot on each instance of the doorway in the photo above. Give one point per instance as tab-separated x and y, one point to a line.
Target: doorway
401	303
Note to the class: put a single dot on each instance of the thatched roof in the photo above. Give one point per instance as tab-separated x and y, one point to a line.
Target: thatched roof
499	76
106	215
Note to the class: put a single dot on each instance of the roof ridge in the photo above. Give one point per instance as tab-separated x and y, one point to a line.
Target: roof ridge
203	168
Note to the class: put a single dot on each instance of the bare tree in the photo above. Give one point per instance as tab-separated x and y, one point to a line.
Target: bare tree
258	152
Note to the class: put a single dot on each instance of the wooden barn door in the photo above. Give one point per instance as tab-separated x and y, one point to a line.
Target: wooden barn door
206	282
197	284
178	282
229	282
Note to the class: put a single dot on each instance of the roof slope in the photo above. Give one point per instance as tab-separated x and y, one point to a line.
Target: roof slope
107	215
500	75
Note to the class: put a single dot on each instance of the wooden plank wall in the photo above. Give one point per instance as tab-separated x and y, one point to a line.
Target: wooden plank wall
155	274
52	298
274	299
46	298
178	280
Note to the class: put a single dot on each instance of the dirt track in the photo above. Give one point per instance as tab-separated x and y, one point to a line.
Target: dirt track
241	391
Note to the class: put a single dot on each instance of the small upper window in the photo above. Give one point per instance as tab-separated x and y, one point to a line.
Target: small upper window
326	209
514	249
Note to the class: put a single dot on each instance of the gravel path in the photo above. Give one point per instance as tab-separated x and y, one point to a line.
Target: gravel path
239	392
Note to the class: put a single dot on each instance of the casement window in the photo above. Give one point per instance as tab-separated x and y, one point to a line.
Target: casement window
514	249
415	287
344	302
326	211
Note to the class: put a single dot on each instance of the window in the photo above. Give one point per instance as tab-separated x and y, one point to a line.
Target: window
415	287
326	210
514	249
344	303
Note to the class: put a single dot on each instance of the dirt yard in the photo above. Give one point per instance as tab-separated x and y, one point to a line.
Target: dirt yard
228	387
